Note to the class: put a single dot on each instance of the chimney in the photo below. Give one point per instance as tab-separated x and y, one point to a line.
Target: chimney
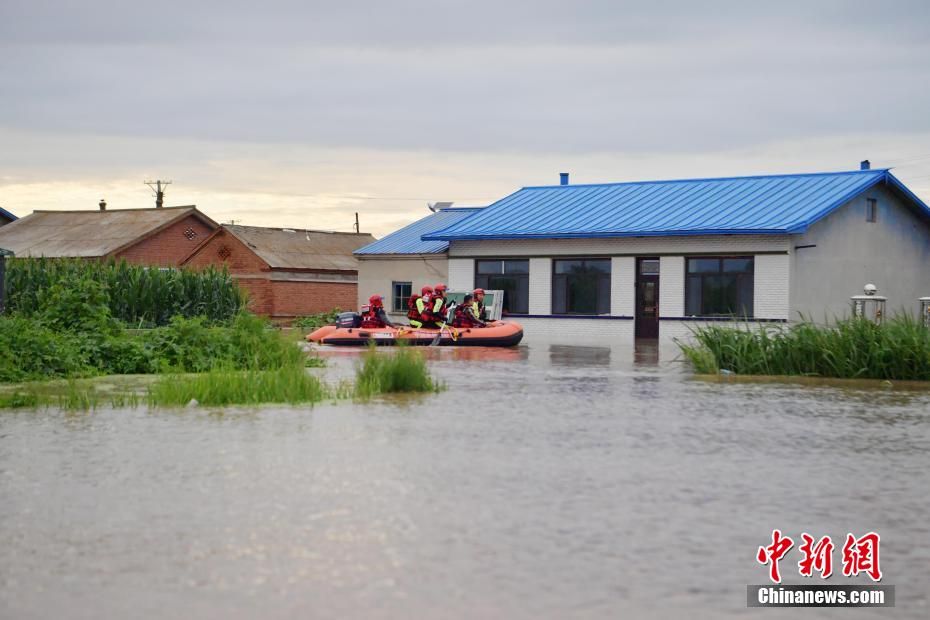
865	165
563	178
103	204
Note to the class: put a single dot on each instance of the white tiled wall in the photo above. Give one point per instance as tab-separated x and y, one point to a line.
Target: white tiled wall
461	274
622	285
590	332
540	286
671	286
771	286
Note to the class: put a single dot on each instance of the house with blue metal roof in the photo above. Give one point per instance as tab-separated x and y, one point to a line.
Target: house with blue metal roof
651	258
6	217
402	262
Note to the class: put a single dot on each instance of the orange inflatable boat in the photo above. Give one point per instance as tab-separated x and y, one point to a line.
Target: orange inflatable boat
497	334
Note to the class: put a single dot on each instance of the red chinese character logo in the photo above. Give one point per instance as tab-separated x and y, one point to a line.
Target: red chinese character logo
773	553
817	557
861	555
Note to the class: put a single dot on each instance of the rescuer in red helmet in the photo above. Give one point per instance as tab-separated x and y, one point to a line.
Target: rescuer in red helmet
373	315
465	314
417	306
437	307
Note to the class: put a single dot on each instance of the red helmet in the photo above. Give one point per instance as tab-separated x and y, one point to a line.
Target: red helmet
478	291
426	290
376	300
440	288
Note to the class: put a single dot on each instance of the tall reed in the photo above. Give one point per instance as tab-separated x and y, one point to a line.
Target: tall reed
897	349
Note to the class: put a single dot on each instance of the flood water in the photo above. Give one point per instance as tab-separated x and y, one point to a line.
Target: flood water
546	482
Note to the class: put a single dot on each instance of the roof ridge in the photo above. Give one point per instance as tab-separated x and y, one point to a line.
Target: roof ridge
289	228
114	210
698	179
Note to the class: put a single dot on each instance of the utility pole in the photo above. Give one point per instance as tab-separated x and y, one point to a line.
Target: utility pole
157	187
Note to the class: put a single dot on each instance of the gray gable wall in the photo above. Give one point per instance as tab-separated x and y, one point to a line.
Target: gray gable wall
893	254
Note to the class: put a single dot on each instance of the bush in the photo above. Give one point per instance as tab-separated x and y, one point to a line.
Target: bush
315	321
31	350
404	371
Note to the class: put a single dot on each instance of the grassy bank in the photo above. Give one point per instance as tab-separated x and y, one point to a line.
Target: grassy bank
898	349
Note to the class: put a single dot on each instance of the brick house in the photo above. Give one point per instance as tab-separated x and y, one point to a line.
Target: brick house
286	272
655	258
161	236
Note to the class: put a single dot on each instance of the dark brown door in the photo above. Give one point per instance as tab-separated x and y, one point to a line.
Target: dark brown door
647	297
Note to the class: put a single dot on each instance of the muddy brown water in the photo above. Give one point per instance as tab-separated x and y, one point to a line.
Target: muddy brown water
547	481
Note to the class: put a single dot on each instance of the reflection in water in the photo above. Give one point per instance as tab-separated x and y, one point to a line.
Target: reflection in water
563	355
646	351
545	482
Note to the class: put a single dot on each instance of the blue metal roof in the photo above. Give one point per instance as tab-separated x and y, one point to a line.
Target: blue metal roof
8	215
775	204
407	239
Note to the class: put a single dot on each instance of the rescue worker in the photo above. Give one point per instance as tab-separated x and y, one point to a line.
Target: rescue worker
418	305
373	315
437	309
465	315
480	311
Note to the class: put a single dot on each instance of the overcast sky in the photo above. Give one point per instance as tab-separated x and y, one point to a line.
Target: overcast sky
301	113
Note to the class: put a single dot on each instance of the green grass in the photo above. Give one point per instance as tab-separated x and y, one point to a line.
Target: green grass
289	384
898	349
403	370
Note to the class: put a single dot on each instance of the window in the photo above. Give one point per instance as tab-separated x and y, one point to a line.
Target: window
400	294
871	210
581	286
191	234
719	286
510	276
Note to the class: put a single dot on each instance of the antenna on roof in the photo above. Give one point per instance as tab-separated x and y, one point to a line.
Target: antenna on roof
437	206
159	192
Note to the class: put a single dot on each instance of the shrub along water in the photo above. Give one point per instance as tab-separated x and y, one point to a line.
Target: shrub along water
135	294
403	371
898	349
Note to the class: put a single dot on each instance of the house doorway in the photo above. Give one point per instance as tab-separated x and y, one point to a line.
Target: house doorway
647	298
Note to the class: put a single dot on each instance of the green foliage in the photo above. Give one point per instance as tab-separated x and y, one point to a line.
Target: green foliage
135	294
288	384
315	321
33	350
29	350
898	349
403	371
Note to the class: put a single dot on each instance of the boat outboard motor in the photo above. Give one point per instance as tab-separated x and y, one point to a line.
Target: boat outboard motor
348	319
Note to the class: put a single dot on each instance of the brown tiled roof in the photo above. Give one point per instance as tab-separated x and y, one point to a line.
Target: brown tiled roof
88	234
291	248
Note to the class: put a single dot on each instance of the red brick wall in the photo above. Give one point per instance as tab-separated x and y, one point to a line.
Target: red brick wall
268	297
240	258
170	246
301	298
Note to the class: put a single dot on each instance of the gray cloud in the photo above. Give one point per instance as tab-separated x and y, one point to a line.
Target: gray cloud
477	76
